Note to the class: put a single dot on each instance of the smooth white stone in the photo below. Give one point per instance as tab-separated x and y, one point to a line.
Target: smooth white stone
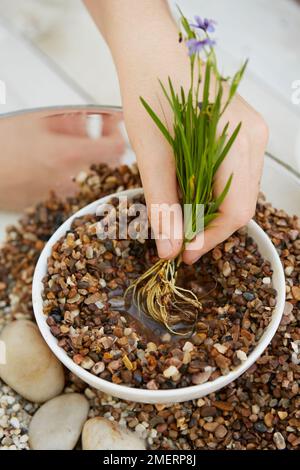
102	434
31	369
58	423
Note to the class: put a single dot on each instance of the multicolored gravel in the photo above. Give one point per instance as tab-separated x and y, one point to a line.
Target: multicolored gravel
260	410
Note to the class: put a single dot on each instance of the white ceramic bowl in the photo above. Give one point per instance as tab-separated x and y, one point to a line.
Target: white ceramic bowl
267	250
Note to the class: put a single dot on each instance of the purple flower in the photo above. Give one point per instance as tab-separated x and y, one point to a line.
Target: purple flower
205	24
196	45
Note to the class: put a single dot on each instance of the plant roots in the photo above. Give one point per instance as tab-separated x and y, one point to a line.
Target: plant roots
156	294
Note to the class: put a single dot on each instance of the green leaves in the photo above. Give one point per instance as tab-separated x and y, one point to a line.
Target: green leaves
190	34
157	121
198	146
234	84
213	209
227	147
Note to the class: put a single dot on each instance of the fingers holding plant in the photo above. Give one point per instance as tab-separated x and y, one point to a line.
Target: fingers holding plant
245	163
194	138
158	175
201	138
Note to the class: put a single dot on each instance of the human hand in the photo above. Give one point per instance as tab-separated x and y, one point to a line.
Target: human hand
245	162
43	153
157	167
151	50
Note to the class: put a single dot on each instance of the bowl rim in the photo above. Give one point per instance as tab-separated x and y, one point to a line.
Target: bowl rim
139	394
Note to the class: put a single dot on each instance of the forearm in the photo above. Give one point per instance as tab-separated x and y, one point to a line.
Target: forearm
114	15
123	21
136	32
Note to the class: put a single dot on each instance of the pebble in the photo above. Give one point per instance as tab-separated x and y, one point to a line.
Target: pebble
282	415
211	427
87	363
101	434
140	429
226	269
58	423
221	432
162	427
31	369
255	409
279	441
152	385
248	296
296	292
223	405
100	305
166	338
200	402
117	302
260	427
241	355
208	411
151	347
216	253
170	372
92	299
98	368
223	362
220	348
289	270
228	246
15	423
186	358
202	377
89	252
288	308
90	394
188	347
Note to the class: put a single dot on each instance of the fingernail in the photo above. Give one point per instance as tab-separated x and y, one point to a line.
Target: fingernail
164	248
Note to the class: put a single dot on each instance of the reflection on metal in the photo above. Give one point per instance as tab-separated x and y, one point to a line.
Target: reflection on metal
280	182
58	110
91	109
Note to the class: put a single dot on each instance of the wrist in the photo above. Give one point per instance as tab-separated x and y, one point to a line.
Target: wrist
133	38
